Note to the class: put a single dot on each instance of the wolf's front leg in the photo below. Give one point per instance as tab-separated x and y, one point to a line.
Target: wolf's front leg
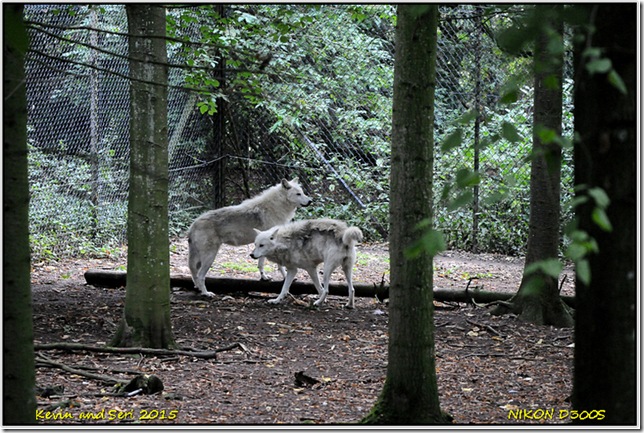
262	274
290	276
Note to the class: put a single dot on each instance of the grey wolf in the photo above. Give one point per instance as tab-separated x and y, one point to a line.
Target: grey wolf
234	225
307	243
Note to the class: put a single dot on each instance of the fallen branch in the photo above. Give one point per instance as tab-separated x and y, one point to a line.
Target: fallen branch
142	383
42	358
109	380
487	327
563	280
103	278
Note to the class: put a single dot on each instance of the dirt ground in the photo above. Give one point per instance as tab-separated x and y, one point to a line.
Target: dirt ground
491	370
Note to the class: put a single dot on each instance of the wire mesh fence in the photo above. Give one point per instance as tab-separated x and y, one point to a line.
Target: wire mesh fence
328	124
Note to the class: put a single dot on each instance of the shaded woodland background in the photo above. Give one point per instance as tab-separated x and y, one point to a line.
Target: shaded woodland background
319	107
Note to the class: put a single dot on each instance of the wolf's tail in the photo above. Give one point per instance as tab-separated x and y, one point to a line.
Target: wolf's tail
351	236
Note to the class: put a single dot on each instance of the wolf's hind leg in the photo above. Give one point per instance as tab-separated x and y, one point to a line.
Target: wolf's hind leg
290	276
328	270
200	262
347	268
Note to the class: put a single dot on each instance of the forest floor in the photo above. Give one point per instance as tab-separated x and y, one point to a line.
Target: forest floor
490	370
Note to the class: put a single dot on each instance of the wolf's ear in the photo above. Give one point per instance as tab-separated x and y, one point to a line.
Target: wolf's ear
256	231
296	180
286	184
274	233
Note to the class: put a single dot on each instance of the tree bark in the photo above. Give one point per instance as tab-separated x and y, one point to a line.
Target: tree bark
410	392
537	300
146	318
18	373
605	156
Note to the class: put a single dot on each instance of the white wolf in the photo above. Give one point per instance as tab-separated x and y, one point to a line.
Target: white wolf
233	225
305	244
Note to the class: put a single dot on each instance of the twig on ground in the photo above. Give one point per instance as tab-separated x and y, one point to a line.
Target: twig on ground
110	380
133	350
488	327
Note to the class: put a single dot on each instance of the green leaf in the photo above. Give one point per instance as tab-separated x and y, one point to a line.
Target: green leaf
358	16
592	52
432	243
577	201
599	66
582	270
509	96
468	117
423	224
601	219
532	286
447	188
599	195
453	140
575	252
616	80
510	133
466	178
275	126
418	10
550	267
579	236
460	201
551	82
546	135
495	197
512	39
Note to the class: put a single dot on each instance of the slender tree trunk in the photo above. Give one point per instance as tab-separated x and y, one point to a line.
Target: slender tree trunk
537	300
146	320
93	126
606	334
410	393
218	145
18	374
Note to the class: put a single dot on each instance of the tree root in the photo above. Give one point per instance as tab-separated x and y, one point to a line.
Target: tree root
534	310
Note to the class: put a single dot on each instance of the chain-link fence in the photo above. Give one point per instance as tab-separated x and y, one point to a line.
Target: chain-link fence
328	124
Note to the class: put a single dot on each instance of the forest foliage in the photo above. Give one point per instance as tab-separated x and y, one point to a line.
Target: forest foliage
303	90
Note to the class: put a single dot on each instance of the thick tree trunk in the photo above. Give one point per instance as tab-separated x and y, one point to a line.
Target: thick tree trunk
537	300
606	334
18	372
146	319
410	393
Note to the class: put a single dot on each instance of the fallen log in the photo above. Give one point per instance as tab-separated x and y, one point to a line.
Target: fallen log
104	278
